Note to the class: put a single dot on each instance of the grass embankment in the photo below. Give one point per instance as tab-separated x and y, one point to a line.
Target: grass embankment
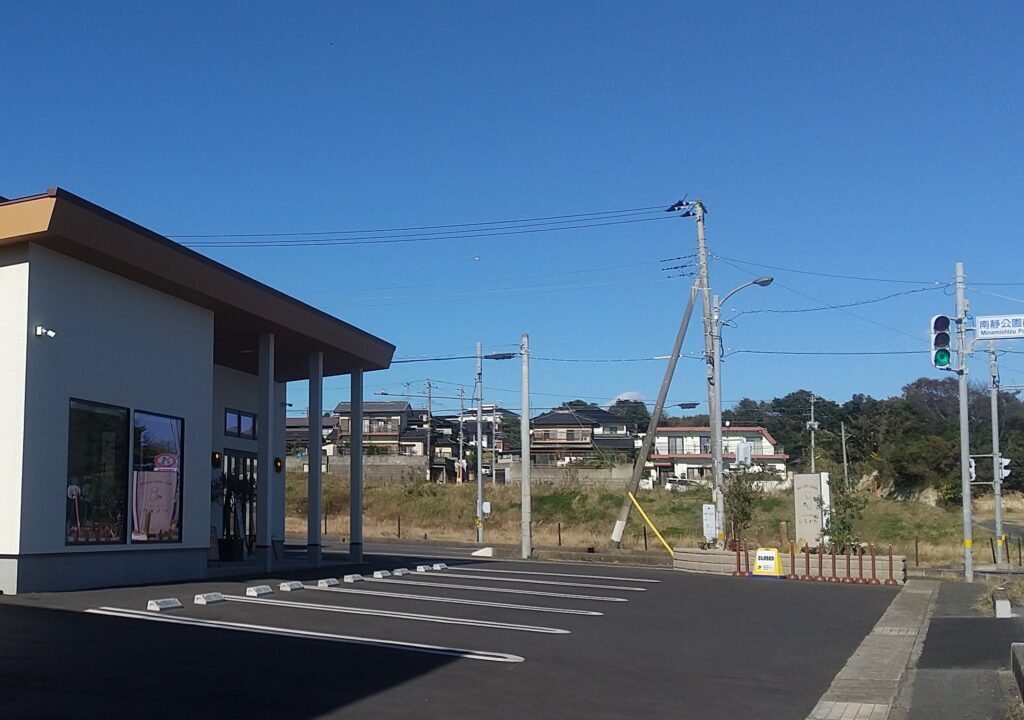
586	515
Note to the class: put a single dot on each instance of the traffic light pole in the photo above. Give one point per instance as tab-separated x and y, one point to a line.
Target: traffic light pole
997	465
965	437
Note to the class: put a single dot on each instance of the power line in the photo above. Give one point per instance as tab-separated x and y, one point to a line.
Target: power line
425	227
828	275
390	239
826	352
816	299
844	305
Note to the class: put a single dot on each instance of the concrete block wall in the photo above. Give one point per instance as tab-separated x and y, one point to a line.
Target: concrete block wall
723	562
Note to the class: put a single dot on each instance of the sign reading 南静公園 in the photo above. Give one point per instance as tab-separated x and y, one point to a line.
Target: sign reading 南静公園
999	327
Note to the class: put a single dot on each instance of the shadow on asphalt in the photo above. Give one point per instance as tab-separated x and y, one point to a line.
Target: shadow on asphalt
60	664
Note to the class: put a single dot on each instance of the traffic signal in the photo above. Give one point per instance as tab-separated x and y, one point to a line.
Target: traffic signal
971	470
941	355
1004	468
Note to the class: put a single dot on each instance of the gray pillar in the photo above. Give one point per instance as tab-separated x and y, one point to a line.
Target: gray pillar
355	541
265	427
314	449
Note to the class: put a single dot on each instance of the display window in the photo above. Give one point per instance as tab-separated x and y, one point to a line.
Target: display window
97	494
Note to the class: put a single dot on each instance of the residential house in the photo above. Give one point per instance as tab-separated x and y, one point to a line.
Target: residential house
685	452
383	426
297	432
580	436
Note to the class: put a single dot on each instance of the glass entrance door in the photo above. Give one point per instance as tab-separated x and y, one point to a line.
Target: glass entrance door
240	504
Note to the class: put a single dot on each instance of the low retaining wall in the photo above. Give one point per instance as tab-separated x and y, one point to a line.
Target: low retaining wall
723	562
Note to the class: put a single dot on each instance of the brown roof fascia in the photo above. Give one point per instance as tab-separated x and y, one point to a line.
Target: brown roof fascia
81	229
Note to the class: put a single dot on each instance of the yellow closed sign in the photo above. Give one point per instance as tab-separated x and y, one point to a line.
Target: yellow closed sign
768	563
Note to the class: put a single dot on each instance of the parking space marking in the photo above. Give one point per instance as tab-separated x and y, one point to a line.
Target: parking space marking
512	591
591	586
456	601
463	653
397	615
554	574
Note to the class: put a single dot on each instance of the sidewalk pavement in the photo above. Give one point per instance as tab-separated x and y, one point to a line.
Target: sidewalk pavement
931	656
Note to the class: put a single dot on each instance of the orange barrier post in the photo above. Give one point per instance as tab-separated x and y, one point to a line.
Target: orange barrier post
737	572
792	563
891	580
834	577
860	566
874	574
849	577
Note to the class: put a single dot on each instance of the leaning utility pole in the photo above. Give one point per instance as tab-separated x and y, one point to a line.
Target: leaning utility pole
524	446
645	449
479	443
965	436
997	465
430	388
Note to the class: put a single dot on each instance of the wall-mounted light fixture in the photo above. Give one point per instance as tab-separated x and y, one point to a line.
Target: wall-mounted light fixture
278	464
45	332
216	459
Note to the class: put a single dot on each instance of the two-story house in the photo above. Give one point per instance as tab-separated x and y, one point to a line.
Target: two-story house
579	436
686	452
383	426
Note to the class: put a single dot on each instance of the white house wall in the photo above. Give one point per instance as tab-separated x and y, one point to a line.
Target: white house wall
14	333
120	343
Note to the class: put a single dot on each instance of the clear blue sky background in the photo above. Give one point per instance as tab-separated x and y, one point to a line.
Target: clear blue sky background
854	139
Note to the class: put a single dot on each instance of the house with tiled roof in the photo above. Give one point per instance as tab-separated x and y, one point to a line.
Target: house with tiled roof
579	436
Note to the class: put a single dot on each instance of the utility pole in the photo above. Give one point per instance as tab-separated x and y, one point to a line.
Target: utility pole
715	416
462	426
997	465
846	468
430	388
813	426
479	443
666	382
711	362
524	445
965	433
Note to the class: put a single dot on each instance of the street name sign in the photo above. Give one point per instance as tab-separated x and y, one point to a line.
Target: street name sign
999	327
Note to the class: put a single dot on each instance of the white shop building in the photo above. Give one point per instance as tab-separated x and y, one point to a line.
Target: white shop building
138	379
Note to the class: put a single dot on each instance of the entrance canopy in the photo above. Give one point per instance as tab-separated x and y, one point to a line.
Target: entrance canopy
243	308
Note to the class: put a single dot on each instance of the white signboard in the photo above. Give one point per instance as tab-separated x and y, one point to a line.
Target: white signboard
710	531
999	327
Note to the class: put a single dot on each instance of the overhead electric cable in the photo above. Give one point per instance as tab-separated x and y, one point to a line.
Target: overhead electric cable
638	210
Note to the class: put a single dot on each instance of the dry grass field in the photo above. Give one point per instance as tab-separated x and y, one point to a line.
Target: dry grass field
584	516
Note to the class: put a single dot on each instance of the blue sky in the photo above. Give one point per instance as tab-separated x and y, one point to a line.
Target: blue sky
856	139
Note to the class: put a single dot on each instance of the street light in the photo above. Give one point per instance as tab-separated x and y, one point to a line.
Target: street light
716	420
480	357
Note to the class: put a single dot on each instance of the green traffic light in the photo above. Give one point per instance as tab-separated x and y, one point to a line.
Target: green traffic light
942	358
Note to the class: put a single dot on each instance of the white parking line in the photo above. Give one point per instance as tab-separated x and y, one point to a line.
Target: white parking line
397	615
553	574
456	601
463	653
512	591
449	574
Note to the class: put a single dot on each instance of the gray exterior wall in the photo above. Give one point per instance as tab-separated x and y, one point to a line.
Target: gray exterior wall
120	343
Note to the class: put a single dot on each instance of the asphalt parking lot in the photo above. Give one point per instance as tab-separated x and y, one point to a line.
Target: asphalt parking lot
492	639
